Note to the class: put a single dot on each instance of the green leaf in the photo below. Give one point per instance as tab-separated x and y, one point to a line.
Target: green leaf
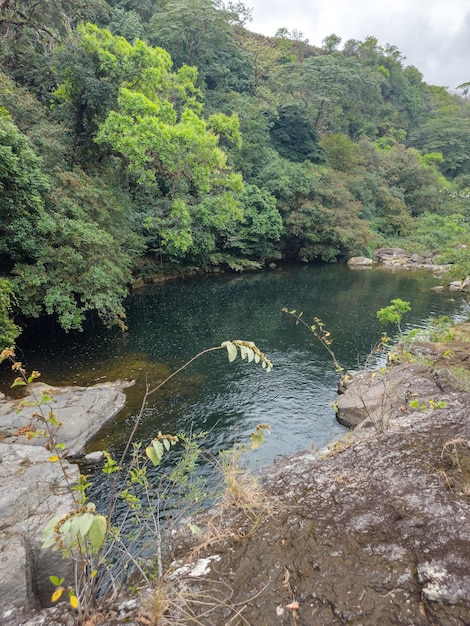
167	444
97	531
195	530
152	455
86	520
18	382
158	446
56	581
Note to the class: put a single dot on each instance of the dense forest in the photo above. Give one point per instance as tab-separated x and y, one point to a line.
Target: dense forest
147	136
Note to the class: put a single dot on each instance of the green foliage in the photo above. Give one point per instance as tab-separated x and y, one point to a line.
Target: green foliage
393	314
298	151
201	33
89	537
256	236
293	135
9	331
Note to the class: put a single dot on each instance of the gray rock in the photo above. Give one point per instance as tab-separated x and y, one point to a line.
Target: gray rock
32	491
360	261
81	410
380	396
393	252
93	457
466	284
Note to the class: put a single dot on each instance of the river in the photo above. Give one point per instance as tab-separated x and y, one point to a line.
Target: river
167	325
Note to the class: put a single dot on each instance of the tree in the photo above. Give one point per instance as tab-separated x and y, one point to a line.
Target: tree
61	242
293	135
331	43
171	150
24	222
9	331
337	94
327	224
255	238
201	33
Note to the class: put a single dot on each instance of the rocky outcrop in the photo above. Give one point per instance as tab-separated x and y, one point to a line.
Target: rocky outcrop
33	489
460	285
397	257
82	411
380	396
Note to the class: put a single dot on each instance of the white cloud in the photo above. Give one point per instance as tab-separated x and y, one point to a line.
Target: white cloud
434	36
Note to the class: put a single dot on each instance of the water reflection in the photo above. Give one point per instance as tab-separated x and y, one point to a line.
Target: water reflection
168	325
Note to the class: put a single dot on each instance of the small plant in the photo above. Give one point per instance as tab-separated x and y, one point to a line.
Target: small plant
393	314
104	553
428	404
458	377
441	329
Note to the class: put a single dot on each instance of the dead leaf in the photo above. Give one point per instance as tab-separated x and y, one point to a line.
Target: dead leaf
293	606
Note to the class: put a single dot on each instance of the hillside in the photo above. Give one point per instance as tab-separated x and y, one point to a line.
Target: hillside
144	137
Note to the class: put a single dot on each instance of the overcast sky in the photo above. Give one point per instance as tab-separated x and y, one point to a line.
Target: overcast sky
433	35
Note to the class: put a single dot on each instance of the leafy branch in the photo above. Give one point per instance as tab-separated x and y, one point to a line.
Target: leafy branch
319	332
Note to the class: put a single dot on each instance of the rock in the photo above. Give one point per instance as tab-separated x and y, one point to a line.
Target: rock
93	457
82	411
466	284
272	266
416	258
456	285
32	491
372	530
437	288
397	257
360	261
380	396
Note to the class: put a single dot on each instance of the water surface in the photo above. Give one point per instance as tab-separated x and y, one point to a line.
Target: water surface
170	324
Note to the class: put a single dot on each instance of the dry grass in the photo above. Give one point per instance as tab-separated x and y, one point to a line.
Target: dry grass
178	601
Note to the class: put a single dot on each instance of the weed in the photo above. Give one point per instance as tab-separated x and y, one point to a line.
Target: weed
457	377
104	554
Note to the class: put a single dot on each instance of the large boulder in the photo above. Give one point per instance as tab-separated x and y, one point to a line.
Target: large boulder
82	411
360	261
380	396
33	490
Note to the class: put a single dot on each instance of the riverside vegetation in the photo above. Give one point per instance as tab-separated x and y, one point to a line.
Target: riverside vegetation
106	550
144	138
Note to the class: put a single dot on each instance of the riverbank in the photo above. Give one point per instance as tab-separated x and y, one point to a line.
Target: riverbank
372	529
375	527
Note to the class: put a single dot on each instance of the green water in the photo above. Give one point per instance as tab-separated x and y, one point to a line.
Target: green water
168	325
